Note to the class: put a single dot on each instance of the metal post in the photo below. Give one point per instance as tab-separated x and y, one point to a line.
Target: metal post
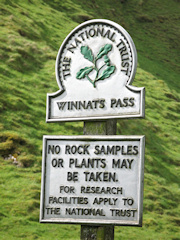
89	232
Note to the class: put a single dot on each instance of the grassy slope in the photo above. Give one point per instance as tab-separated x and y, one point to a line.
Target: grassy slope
31	33
155	31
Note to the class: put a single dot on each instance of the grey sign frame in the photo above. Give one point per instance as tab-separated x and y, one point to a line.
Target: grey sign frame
86	139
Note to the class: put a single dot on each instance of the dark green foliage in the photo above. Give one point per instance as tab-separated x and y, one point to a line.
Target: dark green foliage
104	50
100	74
26	160
12	143
86	51
107	72
83	72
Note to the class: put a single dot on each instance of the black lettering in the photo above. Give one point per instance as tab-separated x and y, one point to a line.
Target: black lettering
67	150
133	212
82	104
106	177
99	31
131	100
57	162
128	201
125	70
129	150
61	105
74	105
92	32
125	64
71	48
57	149
101	190
95	103
123	49
86	34
77	42
135	148
116	164
71	162
118	148
82	189
100	176
119	103
123	151
65	75
111	38
125	101
54	149
89	105
97	151
72	176
51	149
123	212
66	67
121	42
113	101
73	149
86	151
110	150
103	161
55	211
124	163
86	175
82	36
130	162
66	189
126	58
102	103
84	211
107	34
81	149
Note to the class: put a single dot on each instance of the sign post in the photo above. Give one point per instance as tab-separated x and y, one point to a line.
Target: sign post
98	232
94	180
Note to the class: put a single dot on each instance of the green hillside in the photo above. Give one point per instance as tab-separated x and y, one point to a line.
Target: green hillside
31	32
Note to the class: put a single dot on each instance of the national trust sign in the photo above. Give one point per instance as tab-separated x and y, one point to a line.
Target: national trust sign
95	66
94	179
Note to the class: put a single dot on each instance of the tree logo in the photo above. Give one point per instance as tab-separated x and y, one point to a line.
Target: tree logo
104	71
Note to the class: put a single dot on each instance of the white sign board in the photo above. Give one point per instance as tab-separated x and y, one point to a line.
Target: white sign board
92	180
95	66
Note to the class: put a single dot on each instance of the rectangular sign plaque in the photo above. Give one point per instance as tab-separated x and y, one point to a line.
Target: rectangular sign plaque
92	180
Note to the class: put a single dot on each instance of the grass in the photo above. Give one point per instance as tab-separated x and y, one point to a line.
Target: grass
31	34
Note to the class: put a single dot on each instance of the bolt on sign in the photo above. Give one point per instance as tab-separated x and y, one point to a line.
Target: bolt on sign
92	180
95	67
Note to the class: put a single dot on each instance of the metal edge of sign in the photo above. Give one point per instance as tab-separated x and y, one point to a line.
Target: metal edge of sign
93	222
137	223
141	177
41	216
141	114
